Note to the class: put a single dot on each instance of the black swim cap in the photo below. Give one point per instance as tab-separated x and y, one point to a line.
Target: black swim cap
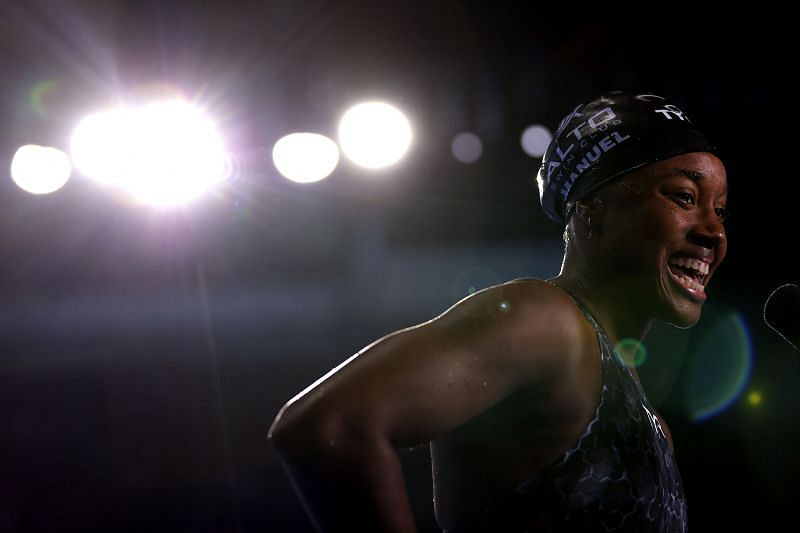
606	138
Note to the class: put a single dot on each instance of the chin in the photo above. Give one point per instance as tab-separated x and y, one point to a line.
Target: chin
684	318
681	324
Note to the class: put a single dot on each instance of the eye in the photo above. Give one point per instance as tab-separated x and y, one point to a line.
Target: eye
685	197
722	213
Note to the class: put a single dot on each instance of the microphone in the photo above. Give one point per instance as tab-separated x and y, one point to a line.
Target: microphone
782	313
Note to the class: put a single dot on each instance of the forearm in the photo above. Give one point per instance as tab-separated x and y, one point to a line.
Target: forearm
349	487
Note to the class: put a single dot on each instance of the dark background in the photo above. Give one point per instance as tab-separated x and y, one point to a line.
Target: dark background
144	354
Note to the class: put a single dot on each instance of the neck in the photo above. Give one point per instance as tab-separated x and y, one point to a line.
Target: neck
608	303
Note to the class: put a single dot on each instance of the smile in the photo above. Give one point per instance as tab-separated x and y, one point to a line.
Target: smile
690	273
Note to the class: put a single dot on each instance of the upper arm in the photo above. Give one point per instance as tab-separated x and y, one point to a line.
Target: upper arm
419	383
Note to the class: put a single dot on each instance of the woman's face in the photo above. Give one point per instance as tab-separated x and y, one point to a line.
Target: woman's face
663	235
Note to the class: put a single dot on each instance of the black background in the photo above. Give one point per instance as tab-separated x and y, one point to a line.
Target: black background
144	354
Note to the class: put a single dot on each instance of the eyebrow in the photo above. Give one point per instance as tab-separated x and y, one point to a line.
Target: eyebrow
694	175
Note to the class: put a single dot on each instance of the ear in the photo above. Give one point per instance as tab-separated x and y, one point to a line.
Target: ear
591	211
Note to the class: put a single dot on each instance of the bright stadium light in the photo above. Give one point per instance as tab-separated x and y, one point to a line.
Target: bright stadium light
165	153
40	169
305	157
98	146
374	134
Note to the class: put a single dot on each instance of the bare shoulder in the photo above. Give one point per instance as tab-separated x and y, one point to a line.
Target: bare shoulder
420	383
535	327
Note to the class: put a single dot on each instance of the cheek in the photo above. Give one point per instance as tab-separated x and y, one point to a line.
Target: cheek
721	252
667	222
645	228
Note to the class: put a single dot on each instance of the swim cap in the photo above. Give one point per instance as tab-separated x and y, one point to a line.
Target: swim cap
605	139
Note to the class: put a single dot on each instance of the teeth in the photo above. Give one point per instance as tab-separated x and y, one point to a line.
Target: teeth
690	262
690	283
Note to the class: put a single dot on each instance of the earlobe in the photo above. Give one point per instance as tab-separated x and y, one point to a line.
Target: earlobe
591	210
591	213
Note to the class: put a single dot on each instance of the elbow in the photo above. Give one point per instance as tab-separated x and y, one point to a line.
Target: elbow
289	432
300	435
299	432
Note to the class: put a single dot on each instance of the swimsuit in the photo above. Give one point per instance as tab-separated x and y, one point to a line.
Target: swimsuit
619	476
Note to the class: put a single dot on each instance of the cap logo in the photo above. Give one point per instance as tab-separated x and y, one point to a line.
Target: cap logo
595	122
584	155
669	110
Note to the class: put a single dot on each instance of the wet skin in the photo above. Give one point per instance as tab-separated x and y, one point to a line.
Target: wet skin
659	227
646	223
506	380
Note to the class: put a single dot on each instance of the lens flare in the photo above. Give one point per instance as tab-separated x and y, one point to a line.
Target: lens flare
754	398
39	94
473	279
719	369
632	352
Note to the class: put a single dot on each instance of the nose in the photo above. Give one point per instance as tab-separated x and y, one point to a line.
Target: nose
709	231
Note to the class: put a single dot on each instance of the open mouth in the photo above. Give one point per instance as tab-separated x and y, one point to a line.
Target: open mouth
690	272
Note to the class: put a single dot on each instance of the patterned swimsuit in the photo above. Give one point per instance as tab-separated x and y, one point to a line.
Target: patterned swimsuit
619	476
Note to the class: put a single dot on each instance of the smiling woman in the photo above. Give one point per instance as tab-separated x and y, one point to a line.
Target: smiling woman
534	422
662	236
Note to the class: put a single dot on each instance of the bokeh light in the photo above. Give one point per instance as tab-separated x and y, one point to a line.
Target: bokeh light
374	134
466	147
40	169
535	140
39	94
163	153
305	157
720	368
754	398
473	279
632	352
